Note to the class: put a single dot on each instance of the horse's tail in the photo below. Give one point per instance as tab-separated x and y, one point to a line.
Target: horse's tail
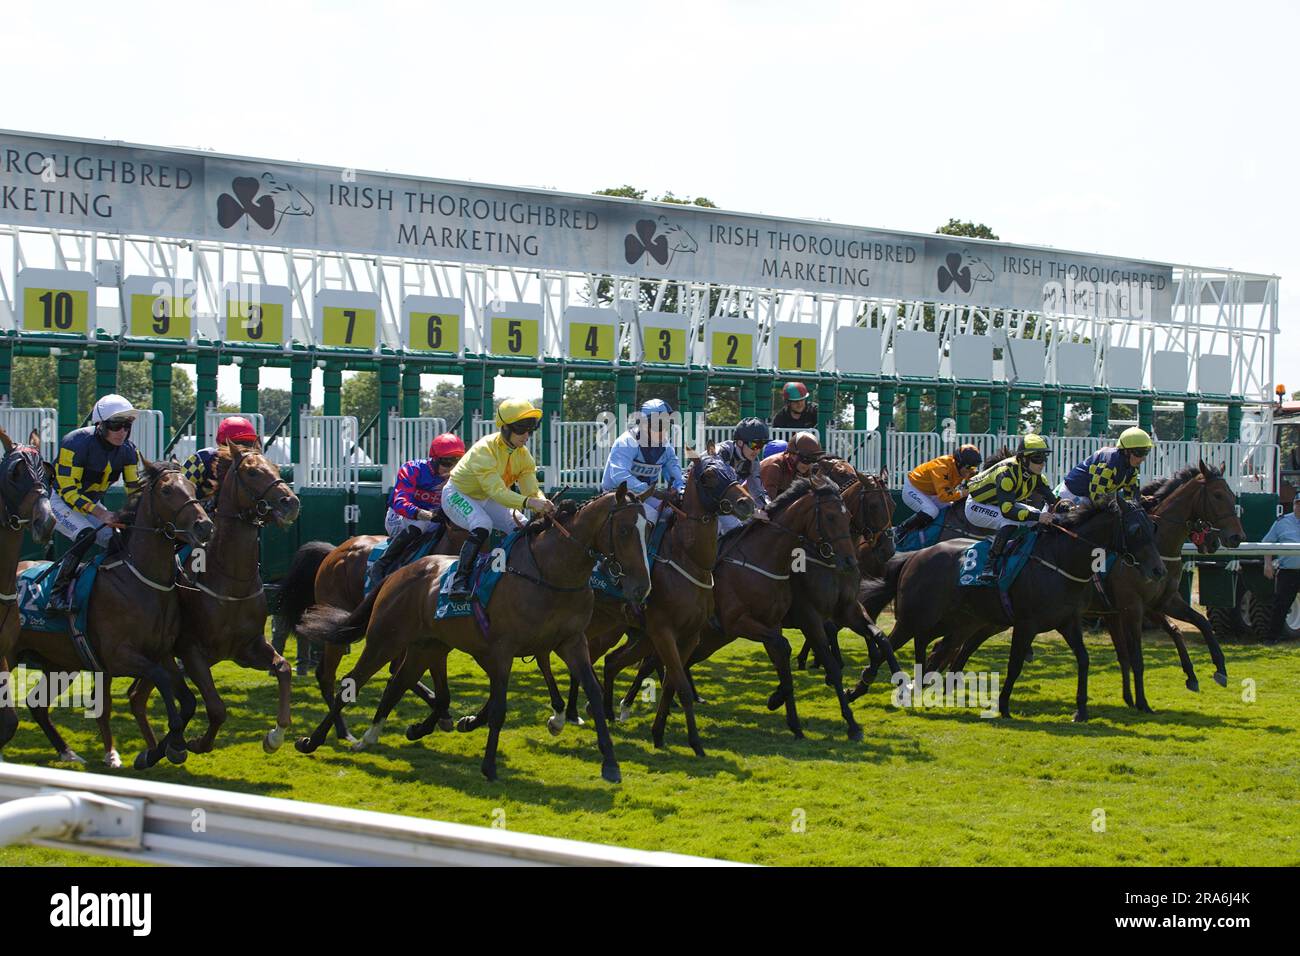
876	593
298	586
333	625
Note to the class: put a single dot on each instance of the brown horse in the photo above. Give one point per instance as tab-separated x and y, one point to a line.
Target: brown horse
681	597
223	615
134	613
542	604
25	482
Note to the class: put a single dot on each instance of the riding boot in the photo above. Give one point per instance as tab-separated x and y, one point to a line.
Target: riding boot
60	599
994	564
465	565
391	559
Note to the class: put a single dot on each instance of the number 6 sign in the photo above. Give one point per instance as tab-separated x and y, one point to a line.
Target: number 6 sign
433	324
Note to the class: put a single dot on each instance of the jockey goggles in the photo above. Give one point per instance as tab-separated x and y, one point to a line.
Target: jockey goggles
117	424
1037	457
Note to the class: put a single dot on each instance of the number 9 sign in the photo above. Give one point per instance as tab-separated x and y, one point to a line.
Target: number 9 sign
514	328
159	308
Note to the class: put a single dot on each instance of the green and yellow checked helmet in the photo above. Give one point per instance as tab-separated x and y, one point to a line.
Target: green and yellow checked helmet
1134	439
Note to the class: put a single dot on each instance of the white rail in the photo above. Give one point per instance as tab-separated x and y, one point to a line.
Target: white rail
175	825
212	422
905	450
860	447
18	424
331	458
408	439
149	434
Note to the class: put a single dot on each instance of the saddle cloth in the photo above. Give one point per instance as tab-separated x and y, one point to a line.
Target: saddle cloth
34	587
483	581
423	549
976	557
923	538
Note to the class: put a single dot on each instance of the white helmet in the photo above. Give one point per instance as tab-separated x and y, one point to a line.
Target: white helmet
110	407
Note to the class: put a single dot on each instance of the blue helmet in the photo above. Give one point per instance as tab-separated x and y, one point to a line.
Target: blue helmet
775	448
656	406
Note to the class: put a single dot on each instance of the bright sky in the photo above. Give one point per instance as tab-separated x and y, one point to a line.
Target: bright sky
1146	130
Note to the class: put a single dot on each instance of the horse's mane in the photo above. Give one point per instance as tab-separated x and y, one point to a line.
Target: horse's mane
150	474
1081	514
797	490
1002	453
1162	488
839	471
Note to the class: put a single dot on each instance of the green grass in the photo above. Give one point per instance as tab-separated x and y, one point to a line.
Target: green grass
1208	779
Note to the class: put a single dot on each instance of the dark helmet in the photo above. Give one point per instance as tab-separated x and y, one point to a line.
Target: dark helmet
751	430
806	446
968	456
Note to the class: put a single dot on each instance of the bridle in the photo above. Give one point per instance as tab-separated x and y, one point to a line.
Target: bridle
260	509
715	503
613	567
871	536
9	512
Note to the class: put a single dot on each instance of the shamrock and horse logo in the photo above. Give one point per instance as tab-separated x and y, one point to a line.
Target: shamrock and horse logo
963	269
277	200
657	240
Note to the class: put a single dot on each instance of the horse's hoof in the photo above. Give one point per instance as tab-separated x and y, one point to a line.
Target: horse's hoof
177	755
465	725
198	746
575	720
699	750
359	746
272	739
1221	678
624	712
304	745
446	725
1080	716
490	773
610	774
141	761
413	732
800	665
659	742
1146	709
1193	685
113	760
369	738
70	756
555	724
855	734
349	740
776	699
1029	655
798	734
700	701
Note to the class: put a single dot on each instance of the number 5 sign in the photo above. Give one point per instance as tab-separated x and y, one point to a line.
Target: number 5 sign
433	324
346	320
514	328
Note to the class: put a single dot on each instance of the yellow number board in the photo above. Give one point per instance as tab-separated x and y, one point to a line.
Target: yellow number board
254	322
733	349
514	336
434	332
797	354
663	345
593	341
160	316
344	327
56	310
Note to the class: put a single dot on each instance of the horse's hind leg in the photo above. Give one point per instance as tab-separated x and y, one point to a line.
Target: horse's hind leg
41	715
374	655
1134	627
1117	637
648	666
1073	634
815	631
326	670
615	661
262	656
403	679
553	691
677	681
138	696
440	716
778	650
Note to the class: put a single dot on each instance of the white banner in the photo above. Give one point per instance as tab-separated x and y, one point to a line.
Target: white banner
66	183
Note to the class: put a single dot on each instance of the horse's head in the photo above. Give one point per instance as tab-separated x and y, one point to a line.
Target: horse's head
716	489
813	509
614	526
289	200
255	491
168	503
25	482
1136	540
871	512
1218	506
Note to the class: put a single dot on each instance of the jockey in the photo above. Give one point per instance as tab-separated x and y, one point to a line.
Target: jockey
1109	470
798	411
415	506
201	467
780	471
479	494
90	460
774	447
939	482
643	456
998	495
743	453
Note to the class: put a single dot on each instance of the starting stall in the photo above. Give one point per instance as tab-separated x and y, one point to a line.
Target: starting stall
123	253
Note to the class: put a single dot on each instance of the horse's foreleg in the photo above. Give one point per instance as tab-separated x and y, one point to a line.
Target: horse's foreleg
1073	634
138	697
1021	638
498	667
615	661
648	666
196	666
374	655
1119	638
1180	610
1134	627
816	632
574	652
403	679
326	670
260	655
440	716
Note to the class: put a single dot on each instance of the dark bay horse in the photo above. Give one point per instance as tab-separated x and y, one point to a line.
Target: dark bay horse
542	604
681	598
134	613
223	613
25	482
1049	593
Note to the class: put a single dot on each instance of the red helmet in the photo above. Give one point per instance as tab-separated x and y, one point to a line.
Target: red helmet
447	446
237	429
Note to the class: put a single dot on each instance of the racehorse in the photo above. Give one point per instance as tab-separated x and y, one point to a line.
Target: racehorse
223	615
1048	594
542	604
134	613
25	482
681	598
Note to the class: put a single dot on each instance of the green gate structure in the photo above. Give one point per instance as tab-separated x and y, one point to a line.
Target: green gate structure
121	253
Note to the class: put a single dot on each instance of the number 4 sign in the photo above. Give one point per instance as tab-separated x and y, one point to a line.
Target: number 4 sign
590	334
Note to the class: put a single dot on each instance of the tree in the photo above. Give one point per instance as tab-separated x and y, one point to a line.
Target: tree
274	404
447	400
955	227
35	384
360	397
584	400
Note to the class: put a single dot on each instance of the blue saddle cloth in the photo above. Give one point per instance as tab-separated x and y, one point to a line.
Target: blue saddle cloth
601	583
976	557
426	545
924	537
483	581
34	587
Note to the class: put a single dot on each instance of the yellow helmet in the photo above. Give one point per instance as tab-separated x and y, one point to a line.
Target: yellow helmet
1030	444
1131	438
515	410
